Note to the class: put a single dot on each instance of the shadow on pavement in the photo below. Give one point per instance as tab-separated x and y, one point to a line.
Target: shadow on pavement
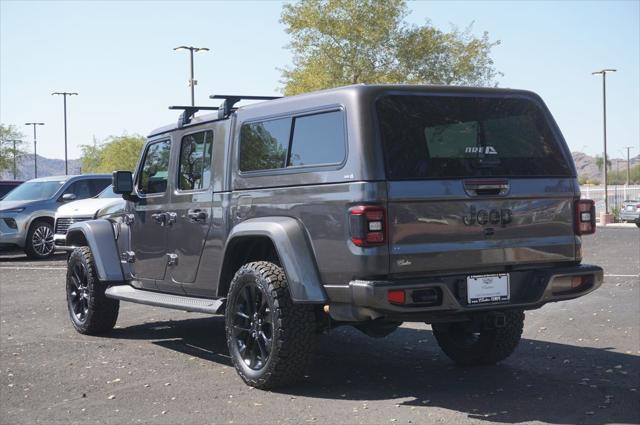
542	381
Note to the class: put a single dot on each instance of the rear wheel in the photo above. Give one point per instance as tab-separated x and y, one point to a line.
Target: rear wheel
470	344
90	311
270	339
39	243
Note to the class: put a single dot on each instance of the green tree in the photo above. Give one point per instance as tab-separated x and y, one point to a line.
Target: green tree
600	162
116	153
341	42
9	150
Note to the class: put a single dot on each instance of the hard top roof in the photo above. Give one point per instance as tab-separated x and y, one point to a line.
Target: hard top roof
361	90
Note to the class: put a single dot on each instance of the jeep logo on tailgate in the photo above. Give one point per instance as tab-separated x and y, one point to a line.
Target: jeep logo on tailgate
482	217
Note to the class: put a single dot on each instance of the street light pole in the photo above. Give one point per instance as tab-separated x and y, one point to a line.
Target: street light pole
64	95
628	148
35	147
604	116
192	82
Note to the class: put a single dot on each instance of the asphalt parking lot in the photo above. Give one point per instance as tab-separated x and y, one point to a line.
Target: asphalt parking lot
578	362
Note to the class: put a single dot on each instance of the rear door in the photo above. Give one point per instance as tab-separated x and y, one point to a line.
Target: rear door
191	205
476	182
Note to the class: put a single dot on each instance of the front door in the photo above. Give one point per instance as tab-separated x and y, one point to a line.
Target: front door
191	205
149	215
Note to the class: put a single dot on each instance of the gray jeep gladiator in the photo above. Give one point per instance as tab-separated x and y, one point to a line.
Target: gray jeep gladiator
367	205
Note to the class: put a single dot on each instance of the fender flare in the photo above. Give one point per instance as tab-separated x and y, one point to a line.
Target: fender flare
294	251
99	237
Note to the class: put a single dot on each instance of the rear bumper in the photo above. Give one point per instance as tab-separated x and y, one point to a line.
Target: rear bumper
630	216
365	300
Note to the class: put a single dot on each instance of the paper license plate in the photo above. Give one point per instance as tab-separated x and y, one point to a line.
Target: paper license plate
490	288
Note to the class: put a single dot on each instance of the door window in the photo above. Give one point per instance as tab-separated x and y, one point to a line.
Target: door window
98	185
195	161
81	189
155	168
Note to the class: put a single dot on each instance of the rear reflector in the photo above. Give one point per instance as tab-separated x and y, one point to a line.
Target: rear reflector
396	296
585	217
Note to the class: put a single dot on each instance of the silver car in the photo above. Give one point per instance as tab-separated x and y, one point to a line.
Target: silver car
630	212
27	212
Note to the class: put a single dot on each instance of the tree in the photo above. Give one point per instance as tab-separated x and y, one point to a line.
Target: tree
600	162
341	42
116	153
8	150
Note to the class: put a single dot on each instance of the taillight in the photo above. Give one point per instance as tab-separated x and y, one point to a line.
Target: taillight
638	207
585	217
368	225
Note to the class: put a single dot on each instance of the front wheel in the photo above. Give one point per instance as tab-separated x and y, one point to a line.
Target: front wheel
39	243
90	311
270	339
469	344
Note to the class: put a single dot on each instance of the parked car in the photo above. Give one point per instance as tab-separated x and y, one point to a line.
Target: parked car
7	186
630	212
103	205
363	205
27	212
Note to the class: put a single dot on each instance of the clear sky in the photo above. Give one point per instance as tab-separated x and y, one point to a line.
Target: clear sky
118	56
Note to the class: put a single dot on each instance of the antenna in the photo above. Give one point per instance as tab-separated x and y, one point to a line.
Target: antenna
231	100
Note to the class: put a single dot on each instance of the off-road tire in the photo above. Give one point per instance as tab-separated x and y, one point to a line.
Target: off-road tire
101	313
489	346
36	253
293	328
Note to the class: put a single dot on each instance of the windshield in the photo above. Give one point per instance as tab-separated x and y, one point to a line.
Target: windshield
34	191
108	193
438	136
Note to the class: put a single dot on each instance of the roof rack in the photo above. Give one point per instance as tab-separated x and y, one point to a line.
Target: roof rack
189	111
230	101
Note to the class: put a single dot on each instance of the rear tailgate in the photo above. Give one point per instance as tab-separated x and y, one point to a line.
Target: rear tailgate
476	181
437	226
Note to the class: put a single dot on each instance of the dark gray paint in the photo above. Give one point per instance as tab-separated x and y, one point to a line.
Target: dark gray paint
304	211
99	236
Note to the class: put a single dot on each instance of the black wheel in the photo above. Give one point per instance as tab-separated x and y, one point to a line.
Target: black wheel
270	339
468	344
39	243
637	223
91	312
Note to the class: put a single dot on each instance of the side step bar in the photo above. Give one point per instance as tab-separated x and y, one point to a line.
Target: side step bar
177	302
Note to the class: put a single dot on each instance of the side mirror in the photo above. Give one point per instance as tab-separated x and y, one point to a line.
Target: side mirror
122	182
68	197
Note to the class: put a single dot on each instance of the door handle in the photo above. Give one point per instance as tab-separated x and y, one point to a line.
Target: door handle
197	215
160	218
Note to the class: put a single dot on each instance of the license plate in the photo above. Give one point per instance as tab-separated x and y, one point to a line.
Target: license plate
489	288
629	207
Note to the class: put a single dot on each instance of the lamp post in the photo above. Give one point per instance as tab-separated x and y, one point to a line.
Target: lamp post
604	117
192	82
64	94
35	147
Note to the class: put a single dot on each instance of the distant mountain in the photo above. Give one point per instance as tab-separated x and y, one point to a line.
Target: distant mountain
46	167
586	165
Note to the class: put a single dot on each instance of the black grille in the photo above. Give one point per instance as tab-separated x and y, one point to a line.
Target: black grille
63	223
